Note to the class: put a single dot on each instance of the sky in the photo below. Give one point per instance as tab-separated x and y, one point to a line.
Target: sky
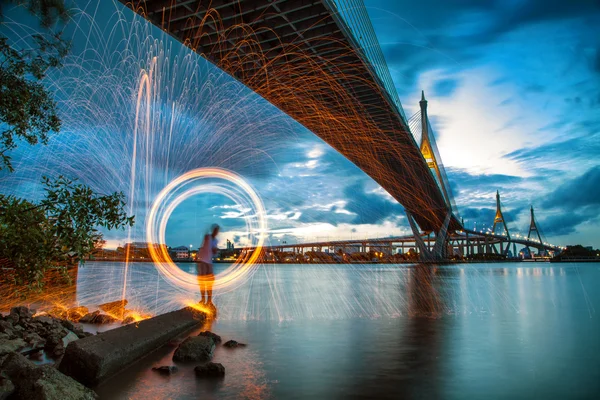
513	89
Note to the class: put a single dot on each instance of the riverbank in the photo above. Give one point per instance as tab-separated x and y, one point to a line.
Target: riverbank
43	357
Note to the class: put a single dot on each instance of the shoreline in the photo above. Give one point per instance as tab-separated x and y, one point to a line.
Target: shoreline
442	262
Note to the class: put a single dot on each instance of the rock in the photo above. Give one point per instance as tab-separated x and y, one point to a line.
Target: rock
232	344
216	338
6	387
89	318
114	307
6	327
70	337
166	369
77	329
44	319
83	334
74	314
16	365
45	382
36	355
57	312
196	348
20	313
8	346
128	320
210	370
54	346
34	339
104	319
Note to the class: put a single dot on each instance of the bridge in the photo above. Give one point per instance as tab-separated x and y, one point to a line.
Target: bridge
461	244
318	61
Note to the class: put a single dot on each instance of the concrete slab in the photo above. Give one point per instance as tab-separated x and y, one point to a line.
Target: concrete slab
93	359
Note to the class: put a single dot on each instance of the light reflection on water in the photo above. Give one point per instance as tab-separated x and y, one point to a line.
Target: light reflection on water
362	331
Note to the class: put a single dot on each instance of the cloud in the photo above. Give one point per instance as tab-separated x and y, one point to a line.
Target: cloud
580	192
565	223
369	208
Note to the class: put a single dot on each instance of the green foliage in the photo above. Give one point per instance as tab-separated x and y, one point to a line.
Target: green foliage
59	231
48	11
24	239
27	109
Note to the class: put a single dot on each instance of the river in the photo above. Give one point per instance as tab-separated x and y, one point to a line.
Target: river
470	331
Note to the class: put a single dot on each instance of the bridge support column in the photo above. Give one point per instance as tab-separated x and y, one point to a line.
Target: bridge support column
441	239
424	253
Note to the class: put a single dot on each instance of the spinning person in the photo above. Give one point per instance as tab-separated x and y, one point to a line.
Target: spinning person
204	264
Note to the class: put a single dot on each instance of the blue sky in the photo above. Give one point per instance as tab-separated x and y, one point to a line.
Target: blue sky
513	89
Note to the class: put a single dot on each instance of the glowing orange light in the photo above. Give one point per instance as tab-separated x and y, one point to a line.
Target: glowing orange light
235	188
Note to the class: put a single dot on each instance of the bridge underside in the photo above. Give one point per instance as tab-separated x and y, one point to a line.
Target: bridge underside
300	56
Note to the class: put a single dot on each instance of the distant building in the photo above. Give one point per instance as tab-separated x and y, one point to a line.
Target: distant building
180	253
141	249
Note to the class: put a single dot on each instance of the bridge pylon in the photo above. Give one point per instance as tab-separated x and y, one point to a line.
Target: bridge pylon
499	220
428	150
533	228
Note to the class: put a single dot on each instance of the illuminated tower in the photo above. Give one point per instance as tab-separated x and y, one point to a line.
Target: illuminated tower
427	148
499	218
533	227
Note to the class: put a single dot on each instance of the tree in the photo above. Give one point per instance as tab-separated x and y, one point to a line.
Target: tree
59	231
27	109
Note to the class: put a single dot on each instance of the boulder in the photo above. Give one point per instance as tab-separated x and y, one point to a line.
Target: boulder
34	339
54	346
71	326
20	313
6	387
82	334
114	307
232	344
166	369
15	365
57	312
195	348
6	326
12	318
89	318
43	383
216	338
210	370
44	319
8	346
128	320
104	319
74	314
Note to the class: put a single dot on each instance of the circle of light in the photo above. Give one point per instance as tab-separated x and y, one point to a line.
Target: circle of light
240	193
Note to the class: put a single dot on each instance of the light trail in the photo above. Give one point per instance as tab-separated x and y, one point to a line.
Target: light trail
239	191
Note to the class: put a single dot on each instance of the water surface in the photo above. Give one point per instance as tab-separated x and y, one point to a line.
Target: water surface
493	331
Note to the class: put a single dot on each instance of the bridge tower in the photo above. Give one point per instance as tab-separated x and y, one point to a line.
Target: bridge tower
429	152
428	148
533	227
499	218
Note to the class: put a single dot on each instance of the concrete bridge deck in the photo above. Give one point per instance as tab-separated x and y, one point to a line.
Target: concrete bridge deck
302	56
